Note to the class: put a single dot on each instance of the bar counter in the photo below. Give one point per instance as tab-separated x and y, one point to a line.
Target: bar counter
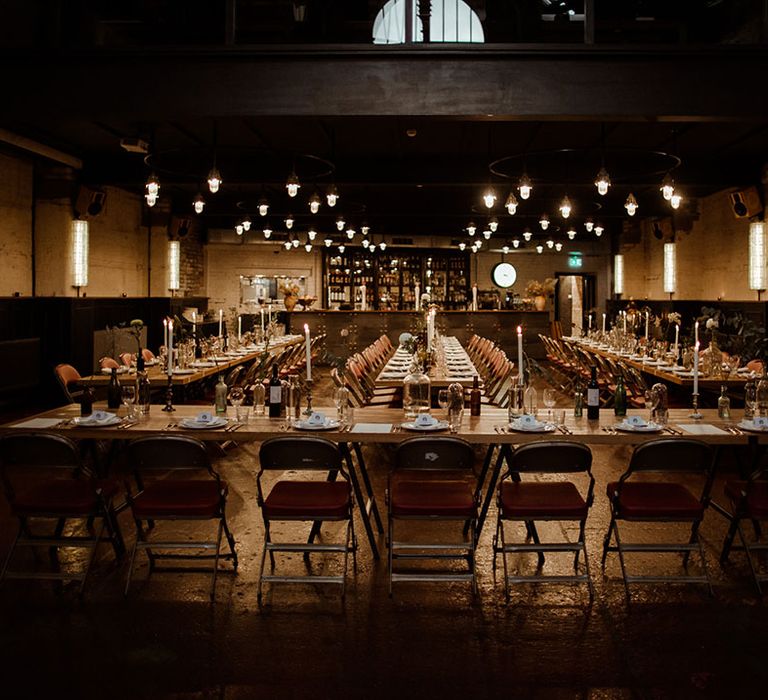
350	331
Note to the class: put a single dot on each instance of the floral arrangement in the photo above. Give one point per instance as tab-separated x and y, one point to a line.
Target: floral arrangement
674	317
289	289
534	288
735	333
408	342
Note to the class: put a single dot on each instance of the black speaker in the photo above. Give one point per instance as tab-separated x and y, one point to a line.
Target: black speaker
179	227
89	202
746	203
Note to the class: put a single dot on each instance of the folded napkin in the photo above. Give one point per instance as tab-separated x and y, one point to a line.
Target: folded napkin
635	421
98	417
527	420
204	417
760	422
317	418
424	420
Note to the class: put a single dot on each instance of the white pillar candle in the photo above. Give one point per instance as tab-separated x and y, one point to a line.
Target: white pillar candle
239	328
363	297
520	352
474	297
589	322
603	323
170	347
221	321
696	333
165	334
647	317
309	352
624	313
262	320
677	336
696	369
194	325
269	314
417	294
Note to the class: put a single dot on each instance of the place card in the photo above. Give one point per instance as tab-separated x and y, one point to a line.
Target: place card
702	429
372	428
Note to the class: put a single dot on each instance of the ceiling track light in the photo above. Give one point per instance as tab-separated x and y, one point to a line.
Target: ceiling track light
198	203
525	186
292	184
602	181
544	222
565	207
511	204
667	187
631	204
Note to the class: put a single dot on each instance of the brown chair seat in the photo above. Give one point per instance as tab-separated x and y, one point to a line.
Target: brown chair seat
438	497
65	496
757	497
195	498
653	499
287	499
541	499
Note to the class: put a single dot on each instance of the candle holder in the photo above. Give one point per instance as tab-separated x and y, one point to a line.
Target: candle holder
308	410
696	415
169	396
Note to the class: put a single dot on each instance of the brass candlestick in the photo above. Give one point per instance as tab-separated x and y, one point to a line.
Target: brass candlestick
696	415
308	411
169	395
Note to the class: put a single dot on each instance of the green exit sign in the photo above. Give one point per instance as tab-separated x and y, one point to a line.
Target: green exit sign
574	260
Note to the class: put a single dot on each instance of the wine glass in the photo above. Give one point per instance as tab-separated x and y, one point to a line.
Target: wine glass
549	399
341	401
750	400
128	396
236	398
442	398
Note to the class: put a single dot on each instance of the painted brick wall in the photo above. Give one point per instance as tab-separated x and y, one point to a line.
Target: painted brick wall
15	226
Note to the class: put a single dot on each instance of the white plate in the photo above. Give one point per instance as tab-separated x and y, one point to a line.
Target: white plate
748	425
86	422
648	428
150	363
183	371
120	370
685	374
540	428
329	424
197	425
440	425
203	364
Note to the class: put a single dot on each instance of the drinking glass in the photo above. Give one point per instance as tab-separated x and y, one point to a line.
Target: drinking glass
650	398
341	401
549	399
455	416
750	400
442	398
259	397
128	396
236	398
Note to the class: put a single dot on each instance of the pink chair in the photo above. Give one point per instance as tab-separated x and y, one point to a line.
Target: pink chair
109	363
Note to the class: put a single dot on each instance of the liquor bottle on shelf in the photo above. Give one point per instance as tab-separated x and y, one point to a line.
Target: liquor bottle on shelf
275	394
474	398
593	397
113	390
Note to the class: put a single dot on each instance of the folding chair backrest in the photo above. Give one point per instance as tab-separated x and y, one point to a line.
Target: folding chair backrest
168	452
68	378
38	450
300	453
553	457
434	454
671	455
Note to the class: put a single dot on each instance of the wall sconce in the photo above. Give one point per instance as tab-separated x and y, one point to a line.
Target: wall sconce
670	268
757	257
79	254
174	265
618	274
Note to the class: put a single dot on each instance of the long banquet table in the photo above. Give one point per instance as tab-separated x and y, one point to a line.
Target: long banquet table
383	425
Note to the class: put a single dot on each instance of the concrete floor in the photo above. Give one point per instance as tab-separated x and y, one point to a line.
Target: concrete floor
167	640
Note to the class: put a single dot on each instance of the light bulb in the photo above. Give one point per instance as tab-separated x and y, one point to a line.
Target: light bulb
292	184
558	246
527	235
289	221
314	203
383	245
462	245
525	186
550	244
295	242
332	196
511	204
350	233
214	180
366	242
602	181
153	185
328	242
198	203
340	223
675	200
478	244
565	207
631	204
471	229
516	243
364	229
505	249
246	223
151	199
539	249
263	207
267	231
667	187
312	234
341	248
544	222
589	225
287	245
308	247
493	224
599	230
487	234
571	233
489	198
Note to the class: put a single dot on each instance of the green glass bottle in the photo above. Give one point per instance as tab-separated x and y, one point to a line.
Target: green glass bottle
578	401
620	397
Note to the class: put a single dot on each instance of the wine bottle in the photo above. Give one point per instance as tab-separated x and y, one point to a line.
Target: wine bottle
620	398
474	398
220	396
143	393
593	397
275	394
113	390
578	401
86	402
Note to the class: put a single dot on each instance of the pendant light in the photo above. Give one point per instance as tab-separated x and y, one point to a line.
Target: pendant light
471	229
364	229
328	242
308	247
152	185
239	229
295	242
667	187
151	199
602	181
489	198
263	206
550	243
340	223
589	225
493	224
198	203
314	203
527	235
247	223
525	186
565	207
511	204
383	245
332	196
571	232
462	246
350	233
341	247
675	200
214	179
516	243
292	184
289	221
558	246
366	242
487	234
599	230
544	222
312	234
631	204
287	245
539	249
267	231
505	249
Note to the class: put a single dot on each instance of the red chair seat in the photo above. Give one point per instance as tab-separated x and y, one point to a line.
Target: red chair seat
651	499
65	496
757	498
440	498
178	498
541	499
293	499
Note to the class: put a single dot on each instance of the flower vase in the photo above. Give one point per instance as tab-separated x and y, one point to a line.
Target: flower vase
540	302
290	301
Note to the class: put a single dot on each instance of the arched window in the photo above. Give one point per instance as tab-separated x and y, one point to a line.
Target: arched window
451	21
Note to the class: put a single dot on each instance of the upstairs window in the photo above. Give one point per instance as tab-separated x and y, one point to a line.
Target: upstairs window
451	21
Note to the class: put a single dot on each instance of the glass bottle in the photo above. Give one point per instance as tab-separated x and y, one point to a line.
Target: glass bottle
220	396
724	404
762	396
750	400
143	392
593	397
275	394
113	390
578	401
531	401
293	399
417	389
474	398
86	402
620	398
259	398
